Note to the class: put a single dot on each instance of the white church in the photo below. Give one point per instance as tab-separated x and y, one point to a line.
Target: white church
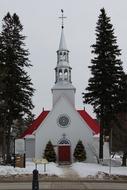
63	125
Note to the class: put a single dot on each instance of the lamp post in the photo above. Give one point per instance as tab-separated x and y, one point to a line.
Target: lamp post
35	183
13	134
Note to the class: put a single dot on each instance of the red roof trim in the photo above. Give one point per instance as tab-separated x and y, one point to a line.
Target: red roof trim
36	123
90	121
86	117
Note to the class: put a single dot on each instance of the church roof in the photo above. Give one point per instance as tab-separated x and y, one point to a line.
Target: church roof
62	45
36	123
90	121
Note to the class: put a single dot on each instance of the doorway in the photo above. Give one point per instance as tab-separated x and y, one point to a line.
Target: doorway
64	151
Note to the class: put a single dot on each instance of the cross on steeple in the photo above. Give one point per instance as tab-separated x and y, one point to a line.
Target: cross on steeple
62	18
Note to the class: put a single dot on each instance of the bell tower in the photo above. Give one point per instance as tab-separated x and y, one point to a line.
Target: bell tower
63	70
63	85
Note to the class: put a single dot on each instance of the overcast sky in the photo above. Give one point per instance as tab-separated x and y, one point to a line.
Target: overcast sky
43	28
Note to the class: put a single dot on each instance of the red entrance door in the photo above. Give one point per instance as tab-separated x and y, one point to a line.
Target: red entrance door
64	153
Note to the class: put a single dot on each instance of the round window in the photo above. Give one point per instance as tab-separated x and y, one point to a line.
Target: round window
63	120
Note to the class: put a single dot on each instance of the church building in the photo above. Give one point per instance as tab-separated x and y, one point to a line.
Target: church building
63	125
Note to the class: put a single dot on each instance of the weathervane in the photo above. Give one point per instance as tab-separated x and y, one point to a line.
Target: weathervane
62	18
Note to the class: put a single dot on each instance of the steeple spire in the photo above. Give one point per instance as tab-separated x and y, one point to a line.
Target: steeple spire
62	45
63	84
63	70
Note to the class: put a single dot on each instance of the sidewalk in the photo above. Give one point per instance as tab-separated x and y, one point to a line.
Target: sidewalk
69	172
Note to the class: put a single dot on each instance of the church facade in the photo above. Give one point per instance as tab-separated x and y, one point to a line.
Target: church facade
63	125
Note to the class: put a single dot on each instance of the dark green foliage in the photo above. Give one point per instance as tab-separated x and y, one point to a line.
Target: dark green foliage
80	152
105	89
106	69
49	152
118	124
16	87
118	135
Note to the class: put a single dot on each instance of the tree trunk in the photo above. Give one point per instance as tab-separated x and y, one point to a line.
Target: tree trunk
124	158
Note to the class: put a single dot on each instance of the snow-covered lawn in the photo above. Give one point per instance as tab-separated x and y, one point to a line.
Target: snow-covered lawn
51	169
86	169
83	169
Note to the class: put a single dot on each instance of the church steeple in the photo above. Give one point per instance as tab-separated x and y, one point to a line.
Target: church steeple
62	45
63	84
63	70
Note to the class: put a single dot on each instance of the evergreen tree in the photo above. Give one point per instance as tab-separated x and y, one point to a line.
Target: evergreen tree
49	152
80	152
16	87
104	87
119	135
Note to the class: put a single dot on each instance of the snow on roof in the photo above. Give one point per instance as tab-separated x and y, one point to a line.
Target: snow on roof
36	123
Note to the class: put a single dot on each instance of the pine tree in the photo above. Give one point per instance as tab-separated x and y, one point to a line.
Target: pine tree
119	135
104	87
49	152
80	152
17	90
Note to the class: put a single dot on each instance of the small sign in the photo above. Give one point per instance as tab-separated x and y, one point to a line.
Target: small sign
40	161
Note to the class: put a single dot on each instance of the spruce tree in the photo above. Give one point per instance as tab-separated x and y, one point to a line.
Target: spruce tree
80	152
104	86
16	87
119	135
49	152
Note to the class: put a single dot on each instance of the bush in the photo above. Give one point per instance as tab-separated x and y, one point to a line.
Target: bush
49	152
80	152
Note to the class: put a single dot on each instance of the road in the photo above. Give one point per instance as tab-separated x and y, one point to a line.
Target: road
71	185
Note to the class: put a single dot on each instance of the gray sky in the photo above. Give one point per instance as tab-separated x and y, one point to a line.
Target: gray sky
43	28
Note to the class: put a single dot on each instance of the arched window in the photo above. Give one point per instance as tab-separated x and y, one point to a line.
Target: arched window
60	74
66	74
64	141
70	75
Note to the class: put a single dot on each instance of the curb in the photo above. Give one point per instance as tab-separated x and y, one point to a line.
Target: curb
42	178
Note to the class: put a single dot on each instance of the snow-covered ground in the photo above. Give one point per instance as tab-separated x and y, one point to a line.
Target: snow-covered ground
82	169
51	169
86	169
